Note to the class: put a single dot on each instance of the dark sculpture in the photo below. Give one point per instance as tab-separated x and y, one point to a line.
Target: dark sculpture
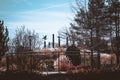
73	53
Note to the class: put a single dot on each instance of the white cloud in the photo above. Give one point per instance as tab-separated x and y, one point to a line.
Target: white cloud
46	22
45	19
65	5
41	20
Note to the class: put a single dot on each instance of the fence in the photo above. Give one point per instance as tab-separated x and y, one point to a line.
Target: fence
28	61
43	61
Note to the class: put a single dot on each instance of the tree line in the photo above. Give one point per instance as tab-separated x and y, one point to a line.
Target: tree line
96	26
24	40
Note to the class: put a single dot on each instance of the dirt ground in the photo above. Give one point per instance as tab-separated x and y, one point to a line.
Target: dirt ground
76	76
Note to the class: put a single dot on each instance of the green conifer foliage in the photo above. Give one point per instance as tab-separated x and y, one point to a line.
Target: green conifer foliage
3	39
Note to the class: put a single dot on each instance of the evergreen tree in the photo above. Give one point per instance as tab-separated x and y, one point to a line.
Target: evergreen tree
3	39
114	15
90	25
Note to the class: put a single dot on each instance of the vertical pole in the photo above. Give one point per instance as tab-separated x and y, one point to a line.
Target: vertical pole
44	43
7	62
49	45
58	41
53	40
67	42
91	49
118	32
84	58
98	59
30	41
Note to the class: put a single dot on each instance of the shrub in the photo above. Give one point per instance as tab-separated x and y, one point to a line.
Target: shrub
73	53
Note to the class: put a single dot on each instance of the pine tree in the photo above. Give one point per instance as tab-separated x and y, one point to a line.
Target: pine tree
114	9
3	39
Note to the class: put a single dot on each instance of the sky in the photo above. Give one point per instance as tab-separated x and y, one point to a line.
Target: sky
46	17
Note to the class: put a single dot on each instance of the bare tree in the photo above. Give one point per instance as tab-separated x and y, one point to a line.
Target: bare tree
69	34
26	39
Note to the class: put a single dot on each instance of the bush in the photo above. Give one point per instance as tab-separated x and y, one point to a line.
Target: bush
73	53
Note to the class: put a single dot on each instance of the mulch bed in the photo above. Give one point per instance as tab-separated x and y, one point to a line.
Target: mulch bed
115	75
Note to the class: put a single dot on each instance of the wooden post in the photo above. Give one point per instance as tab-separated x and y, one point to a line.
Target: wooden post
91	37
67	42
44	43
53	41
49	45
58	41
44	38
98	56
7	62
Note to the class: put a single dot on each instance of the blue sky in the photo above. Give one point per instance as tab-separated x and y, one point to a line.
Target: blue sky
46	17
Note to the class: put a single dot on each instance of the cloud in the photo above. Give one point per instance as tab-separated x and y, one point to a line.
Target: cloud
46	22
43	20
65	5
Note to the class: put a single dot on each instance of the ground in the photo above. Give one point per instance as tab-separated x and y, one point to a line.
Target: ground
106	75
